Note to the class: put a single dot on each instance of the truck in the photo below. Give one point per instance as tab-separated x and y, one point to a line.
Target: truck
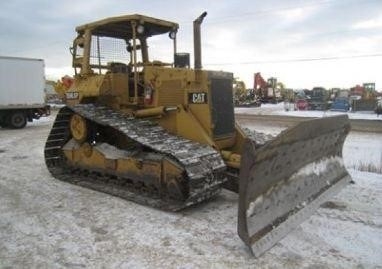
319	99
22	83
340	104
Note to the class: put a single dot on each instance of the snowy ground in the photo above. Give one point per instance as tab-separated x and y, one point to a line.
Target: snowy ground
360	148
45	223
279	109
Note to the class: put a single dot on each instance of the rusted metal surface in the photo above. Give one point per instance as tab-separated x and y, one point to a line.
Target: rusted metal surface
284	181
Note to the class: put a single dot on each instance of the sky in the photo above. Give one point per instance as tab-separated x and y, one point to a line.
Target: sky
329	43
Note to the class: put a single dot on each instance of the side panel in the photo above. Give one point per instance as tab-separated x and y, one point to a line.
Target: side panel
89	86
22	81
169	84
222	108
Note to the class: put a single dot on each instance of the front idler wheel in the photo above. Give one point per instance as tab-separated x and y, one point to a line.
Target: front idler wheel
78	128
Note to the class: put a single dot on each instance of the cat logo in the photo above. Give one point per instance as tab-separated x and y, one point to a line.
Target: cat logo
197	98
72	95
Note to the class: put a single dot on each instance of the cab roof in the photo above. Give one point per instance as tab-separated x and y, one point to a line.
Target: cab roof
120	27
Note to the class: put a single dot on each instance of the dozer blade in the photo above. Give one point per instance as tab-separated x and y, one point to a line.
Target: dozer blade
283	182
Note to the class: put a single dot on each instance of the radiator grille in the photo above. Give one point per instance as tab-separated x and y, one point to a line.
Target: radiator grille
222	108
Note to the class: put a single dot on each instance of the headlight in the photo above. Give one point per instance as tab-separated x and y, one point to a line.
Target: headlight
140	29
172	34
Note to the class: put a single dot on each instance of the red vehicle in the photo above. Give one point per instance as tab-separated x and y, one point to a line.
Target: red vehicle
301	104
267	91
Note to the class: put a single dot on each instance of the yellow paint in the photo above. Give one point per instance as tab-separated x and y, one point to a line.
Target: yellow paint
162	172
78	128
149	89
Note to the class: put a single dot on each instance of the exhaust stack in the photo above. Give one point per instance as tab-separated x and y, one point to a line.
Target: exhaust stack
197	41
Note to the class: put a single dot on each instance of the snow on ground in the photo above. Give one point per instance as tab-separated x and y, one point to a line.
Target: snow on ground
363	149
46	223
279	109
360	148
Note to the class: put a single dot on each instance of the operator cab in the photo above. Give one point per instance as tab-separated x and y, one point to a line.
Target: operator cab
118	39
119	45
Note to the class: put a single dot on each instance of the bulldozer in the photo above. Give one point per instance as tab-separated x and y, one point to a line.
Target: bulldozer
163	134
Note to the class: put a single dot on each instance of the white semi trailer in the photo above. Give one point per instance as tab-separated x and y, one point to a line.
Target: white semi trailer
22	83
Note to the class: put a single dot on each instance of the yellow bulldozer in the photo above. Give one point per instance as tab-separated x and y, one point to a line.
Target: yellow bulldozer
163	134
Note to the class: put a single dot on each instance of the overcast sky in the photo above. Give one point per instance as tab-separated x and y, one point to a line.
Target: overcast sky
330	43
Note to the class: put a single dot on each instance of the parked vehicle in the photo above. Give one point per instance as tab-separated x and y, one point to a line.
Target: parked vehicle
267	91
301	104
22	83
243	97
378	108
363	98
340	104
319	99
